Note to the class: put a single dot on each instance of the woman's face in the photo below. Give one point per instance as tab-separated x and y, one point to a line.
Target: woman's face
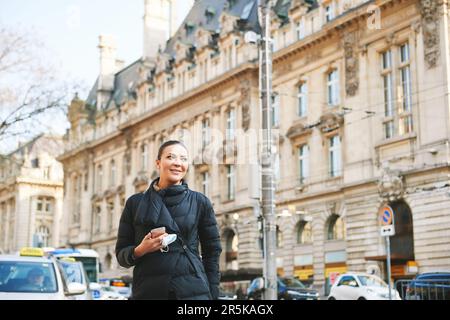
173	164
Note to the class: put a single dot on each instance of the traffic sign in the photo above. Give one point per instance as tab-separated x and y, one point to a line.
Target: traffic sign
387	231
386	215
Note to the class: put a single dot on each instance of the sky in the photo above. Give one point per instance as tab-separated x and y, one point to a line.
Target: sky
69	31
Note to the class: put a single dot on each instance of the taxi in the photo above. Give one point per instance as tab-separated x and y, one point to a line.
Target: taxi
32	276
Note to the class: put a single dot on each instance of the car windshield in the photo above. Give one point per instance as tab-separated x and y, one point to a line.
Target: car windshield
27	277
370	281
292	283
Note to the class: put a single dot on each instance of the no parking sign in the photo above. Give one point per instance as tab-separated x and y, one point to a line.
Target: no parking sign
387	221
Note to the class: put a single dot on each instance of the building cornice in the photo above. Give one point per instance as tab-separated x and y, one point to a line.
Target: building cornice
329	30
53	184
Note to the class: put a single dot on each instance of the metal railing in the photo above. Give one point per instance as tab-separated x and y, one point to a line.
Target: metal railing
423	289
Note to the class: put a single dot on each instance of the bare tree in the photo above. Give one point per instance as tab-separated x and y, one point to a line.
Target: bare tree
31	95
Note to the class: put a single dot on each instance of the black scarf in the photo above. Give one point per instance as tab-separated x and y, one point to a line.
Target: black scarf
152	209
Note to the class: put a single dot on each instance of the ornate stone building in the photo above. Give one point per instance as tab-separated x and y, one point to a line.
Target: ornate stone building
31	195
360	105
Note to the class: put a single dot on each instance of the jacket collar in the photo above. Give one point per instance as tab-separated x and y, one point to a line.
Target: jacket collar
153	211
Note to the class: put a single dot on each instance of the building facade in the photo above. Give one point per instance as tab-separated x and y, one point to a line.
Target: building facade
31	195
360	113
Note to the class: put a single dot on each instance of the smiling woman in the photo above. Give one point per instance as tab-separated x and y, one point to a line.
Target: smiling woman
170	206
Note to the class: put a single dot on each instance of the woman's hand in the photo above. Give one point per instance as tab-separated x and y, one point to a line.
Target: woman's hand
149	244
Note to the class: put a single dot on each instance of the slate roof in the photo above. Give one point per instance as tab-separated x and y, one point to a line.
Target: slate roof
205	14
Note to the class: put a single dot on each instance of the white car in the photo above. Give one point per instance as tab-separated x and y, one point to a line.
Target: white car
361	286
31	276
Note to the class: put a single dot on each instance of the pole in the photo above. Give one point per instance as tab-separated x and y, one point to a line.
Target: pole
268	189
388	260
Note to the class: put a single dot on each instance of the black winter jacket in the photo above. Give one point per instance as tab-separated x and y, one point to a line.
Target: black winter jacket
188	214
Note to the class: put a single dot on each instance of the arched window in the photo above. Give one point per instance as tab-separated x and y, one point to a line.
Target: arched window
304	232
336	228
279	238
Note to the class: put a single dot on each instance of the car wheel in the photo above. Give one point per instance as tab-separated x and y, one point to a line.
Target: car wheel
362	298
331	298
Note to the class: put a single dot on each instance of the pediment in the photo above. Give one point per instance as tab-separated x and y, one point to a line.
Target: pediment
330	121
298	129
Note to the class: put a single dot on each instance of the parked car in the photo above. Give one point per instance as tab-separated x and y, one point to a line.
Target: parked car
110	293
226	295
32	276
429	286
361	286
289	288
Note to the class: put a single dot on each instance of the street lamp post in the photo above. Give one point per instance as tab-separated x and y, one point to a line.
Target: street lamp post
268	189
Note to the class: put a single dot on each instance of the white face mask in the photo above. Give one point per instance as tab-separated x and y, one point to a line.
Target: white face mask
166	241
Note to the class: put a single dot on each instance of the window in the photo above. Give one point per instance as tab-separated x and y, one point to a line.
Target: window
329	12
144	156
43	236
231	124
405	125
126	166
44	204
46	173
35	163
333	88
302	96
205	183
388	93
336	228
275	111
398	112
279	238
110	215
112	174
99	178
304	232
230	182
335	156
189	27
97	218
303	160
206	133
300	29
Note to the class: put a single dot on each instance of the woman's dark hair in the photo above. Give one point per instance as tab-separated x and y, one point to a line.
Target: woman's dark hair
167	144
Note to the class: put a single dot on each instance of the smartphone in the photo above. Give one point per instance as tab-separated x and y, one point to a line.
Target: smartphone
158	231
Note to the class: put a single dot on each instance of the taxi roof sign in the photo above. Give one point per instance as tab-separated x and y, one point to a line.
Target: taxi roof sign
31	252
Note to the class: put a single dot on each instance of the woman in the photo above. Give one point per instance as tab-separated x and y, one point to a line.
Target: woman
175	271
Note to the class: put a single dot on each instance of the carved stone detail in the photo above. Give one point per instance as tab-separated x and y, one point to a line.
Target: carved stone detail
351	64
330	121
429	10
390	185
245	101
297	130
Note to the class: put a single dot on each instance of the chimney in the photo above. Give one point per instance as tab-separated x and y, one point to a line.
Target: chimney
158	22
107	47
